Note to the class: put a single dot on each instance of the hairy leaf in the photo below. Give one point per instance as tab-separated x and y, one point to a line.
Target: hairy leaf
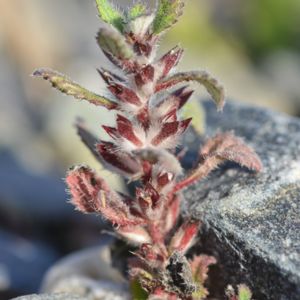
212	86
224	146
91	194
168	13
138	293
137	10
244	292
66	86
109	14
200	267
84	187
112	42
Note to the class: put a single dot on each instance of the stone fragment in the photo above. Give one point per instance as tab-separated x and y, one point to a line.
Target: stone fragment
253	220
50	297
89	274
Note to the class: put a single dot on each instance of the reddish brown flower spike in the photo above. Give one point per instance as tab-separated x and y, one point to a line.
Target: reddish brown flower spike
147	129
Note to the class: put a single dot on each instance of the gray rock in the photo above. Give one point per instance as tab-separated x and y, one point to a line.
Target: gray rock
17	257
50	297
35	196
253	221
87	273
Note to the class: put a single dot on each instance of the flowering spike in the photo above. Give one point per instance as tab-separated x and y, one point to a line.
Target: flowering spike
66	86
147	129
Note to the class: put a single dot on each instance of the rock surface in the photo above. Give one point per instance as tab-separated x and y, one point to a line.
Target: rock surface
87	273
50	297
254	219
17	256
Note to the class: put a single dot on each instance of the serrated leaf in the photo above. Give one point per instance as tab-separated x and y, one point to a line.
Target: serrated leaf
109	14
68	87
244	292
168	12
212	86
136	11
195	111
114	43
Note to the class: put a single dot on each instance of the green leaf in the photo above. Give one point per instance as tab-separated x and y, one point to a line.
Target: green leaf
68	87
244	292
136	11
113	42
137	292
212	86
194	110
168	13
109	14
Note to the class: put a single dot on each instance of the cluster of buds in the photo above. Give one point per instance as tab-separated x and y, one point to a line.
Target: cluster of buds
148	98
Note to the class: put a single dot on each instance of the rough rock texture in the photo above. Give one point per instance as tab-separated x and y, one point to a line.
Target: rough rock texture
50	297
254	219
87	273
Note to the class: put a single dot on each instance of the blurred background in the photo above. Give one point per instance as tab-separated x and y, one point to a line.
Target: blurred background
253	47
